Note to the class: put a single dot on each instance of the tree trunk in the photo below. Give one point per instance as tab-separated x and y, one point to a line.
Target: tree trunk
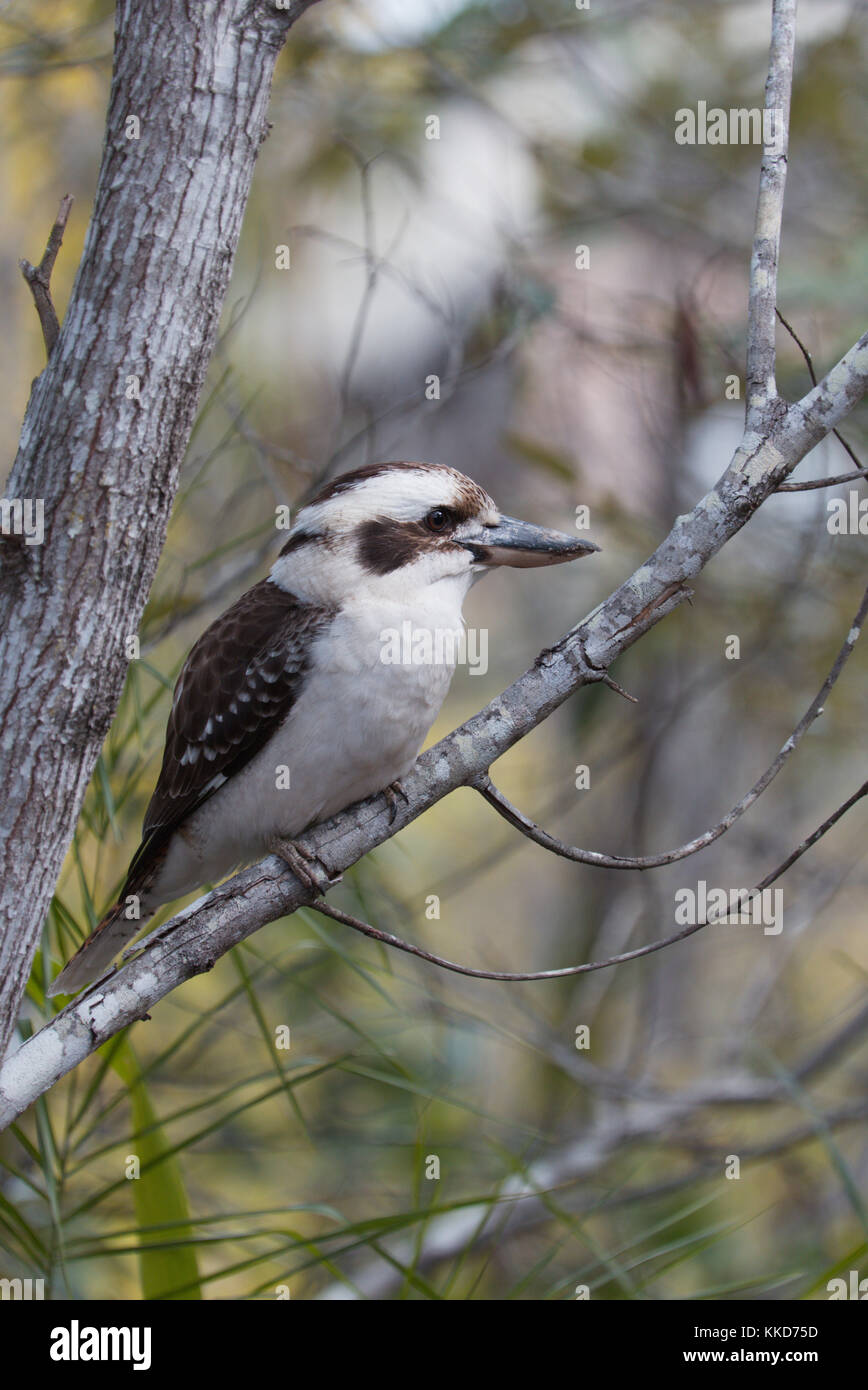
109	418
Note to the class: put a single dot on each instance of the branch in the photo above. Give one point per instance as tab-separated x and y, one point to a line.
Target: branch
587	967
761	389
510	813
38	277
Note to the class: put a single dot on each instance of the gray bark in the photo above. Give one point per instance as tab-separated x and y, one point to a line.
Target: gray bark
146	303
760	374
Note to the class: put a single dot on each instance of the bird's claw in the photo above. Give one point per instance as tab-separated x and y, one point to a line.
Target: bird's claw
391	793
307	867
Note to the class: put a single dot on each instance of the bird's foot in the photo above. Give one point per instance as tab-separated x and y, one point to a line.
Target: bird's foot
308	869
391	793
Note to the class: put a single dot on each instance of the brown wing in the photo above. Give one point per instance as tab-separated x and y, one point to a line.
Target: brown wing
237	686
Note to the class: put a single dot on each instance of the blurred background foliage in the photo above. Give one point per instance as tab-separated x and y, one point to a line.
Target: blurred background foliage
309	1169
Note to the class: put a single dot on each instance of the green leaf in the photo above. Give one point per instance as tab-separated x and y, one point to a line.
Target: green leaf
158	1195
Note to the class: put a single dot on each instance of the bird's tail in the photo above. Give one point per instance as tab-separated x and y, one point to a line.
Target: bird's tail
95	955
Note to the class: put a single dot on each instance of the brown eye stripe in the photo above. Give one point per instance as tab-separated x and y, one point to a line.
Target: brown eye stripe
385	545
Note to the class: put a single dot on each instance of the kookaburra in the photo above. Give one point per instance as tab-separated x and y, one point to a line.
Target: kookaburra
285	710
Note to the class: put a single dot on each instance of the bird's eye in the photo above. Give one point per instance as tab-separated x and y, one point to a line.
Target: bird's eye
438	519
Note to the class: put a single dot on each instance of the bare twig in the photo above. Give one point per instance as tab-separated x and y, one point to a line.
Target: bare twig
809	361
38	277
619	689
855	477
813	838
841	477
388	939
761	388
519	821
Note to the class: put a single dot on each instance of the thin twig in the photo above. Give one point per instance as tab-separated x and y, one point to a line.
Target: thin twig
619	689
814	837
388	939
857	477
809	361
819	482
595	859
38	277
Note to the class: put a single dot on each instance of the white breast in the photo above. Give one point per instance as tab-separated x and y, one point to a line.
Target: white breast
356	726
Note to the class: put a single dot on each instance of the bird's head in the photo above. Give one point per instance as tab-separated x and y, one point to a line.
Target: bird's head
395	528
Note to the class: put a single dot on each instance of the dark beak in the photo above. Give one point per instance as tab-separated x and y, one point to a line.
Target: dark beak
517	543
